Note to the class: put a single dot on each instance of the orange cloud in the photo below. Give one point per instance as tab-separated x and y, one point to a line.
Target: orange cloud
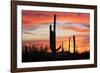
76	29
39	17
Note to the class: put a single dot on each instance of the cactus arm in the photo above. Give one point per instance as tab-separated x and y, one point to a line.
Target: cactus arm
58	48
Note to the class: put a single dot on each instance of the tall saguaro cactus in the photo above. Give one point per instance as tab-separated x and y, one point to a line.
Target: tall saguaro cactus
53	38
74	42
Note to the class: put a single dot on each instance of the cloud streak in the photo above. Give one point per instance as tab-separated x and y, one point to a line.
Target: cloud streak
41	17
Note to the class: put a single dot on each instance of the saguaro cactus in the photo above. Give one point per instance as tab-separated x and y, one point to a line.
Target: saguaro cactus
74	43
69	45
62	48
53	38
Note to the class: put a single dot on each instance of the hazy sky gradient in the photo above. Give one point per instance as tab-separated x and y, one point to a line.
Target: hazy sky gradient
36	24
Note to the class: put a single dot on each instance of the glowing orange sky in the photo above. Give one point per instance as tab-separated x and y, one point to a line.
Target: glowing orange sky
35	26
37	17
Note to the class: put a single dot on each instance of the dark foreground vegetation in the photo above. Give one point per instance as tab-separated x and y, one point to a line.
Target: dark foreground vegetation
33	54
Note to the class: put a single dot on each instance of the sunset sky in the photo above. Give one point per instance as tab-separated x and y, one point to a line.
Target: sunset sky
35	28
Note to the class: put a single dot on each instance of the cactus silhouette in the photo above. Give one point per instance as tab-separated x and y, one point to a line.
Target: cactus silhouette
62	49
74	43
53	38
69	45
